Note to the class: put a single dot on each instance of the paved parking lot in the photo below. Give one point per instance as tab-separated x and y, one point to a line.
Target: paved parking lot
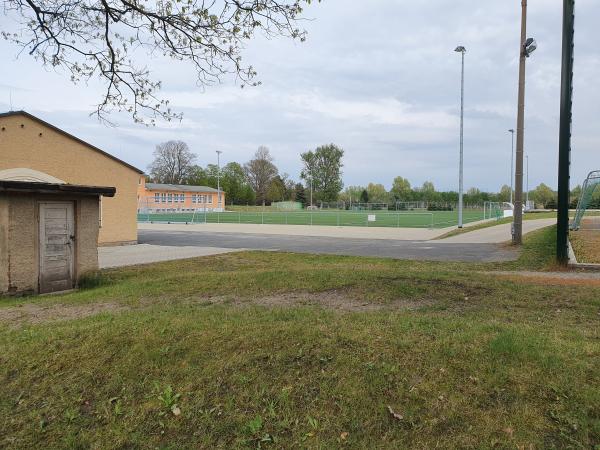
398	249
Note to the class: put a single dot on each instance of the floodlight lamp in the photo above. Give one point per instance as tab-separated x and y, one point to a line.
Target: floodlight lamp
529	47
460	49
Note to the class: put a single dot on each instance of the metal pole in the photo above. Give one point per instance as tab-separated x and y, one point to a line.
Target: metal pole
527	183
512	167
518	206
564	151
218	178
462	51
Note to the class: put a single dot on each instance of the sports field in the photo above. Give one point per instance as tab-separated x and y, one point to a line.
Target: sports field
389	219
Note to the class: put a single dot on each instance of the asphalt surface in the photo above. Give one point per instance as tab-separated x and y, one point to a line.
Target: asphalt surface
413	250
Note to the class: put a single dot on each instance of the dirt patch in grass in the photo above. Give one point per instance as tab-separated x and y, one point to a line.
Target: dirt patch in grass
340	300
36	313
551	278
586	244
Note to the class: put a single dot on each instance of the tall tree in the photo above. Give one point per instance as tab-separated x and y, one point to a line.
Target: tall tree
504	195
377	193
173	162
323	168
543	195
260	171
110	40
401	189
299	194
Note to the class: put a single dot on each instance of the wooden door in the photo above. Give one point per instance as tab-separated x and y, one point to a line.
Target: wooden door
57	241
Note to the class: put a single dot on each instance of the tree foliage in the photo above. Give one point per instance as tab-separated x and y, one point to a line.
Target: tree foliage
260	172
111	39
173	163
401	189
323	167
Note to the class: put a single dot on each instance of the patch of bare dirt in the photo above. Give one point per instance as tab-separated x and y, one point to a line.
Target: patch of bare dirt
551	278
37	313
339	300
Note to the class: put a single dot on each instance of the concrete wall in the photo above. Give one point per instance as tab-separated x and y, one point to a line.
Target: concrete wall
19	239
27	143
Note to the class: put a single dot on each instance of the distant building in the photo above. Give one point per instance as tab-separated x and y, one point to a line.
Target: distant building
33	150
163	198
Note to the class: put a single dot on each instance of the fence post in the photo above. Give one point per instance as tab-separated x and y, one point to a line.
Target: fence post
311	213
398	215
218	217
239	217
338	218
286	218
262	218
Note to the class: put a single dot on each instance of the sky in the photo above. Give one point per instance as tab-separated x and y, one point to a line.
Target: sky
379	78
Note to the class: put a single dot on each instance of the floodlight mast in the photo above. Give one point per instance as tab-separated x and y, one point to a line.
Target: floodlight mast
512	158
527	47
218	178
462	50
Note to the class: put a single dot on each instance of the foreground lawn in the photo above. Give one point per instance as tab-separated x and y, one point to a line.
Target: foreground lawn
266	350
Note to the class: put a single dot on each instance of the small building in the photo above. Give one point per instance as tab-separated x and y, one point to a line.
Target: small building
30	145
170	198
48	235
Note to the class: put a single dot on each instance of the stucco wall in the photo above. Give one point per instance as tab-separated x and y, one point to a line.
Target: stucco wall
19	239
27	143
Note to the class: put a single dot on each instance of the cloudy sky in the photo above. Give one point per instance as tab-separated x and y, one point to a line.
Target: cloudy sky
378	78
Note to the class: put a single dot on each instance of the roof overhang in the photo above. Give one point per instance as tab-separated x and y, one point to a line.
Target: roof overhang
55	188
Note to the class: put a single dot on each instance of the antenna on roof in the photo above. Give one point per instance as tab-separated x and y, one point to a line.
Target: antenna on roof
10	99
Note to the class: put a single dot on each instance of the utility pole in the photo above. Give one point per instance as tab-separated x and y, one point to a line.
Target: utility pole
564	151
512	158
218	178
526	48
460	49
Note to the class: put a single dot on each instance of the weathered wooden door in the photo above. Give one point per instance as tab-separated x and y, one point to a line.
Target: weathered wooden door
57	239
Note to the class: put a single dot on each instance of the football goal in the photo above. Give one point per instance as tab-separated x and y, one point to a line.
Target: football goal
411	206
585	199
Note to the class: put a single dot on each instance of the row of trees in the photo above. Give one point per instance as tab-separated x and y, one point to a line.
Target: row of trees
258	181
402	191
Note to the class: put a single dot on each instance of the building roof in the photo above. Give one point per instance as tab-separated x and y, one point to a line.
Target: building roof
178	188
55	188
75	138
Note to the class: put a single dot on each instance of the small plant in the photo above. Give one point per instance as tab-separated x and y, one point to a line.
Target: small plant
254	425
71	415
168	397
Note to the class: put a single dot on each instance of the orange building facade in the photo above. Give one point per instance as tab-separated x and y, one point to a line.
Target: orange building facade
162	198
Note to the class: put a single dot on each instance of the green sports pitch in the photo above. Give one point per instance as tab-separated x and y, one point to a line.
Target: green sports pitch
388	219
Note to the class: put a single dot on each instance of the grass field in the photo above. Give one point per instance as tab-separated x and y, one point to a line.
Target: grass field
416	219
270	350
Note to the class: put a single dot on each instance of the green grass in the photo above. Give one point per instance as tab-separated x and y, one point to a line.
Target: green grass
271	350
409	219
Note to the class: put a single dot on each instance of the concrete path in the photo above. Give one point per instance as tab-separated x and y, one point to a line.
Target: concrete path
497	234
129	255
400	234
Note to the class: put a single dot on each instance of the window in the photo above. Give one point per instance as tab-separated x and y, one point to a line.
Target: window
163	197
193	198
210	198
156	197
170	197
182	198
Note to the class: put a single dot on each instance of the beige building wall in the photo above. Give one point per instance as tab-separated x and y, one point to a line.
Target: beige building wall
19	239
25	142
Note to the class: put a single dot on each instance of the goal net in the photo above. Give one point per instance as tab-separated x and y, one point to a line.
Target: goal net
411	206
587	199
